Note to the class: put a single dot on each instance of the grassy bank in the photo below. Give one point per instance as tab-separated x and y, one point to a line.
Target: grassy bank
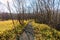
8	32
8	25
45	32
42	31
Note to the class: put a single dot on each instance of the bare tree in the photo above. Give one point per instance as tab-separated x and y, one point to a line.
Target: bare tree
8	7
18	5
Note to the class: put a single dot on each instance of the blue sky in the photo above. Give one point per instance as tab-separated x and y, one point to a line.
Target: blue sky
3	7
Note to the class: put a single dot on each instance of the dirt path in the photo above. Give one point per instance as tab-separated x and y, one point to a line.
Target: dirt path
28	33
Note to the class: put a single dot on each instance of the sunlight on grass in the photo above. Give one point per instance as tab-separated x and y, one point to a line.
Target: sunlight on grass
45	32
8	30
42	26
5	25
41	31
8	25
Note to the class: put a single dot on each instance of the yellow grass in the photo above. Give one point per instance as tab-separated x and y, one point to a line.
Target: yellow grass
8	25
43	31
5	25
41	26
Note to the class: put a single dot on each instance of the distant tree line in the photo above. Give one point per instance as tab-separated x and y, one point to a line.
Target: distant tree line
45	11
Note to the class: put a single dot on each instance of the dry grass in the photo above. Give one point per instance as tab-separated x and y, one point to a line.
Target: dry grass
5	25
45	32
8	25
